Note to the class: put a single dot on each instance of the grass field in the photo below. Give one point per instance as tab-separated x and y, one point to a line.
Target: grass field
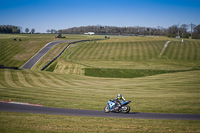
19	122
176	91
159	93
16	53
130	53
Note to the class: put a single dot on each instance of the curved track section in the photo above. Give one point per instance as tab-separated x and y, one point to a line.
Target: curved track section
10	107
31	62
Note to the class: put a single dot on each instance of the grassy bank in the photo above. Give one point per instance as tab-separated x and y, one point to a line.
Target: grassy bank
173	89
19	122
16	53
166	93
138	53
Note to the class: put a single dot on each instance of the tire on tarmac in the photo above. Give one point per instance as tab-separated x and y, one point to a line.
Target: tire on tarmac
127	109
107	109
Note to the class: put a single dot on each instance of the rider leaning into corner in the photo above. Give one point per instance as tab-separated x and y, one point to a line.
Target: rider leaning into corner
120	99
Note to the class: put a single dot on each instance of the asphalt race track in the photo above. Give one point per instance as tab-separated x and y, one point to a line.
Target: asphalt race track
10	107
31	62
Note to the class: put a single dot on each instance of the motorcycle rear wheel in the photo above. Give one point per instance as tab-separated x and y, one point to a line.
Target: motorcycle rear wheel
126	110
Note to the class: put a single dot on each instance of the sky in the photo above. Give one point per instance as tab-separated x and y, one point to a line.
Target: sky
62	14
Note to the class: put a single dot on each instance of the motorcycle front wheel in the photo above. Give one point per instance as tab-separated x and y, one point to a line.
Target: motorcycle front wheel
107	109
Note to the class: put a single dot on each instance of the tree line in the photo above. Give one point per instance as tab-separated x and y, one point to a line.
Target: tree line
183	30
9	29
14	29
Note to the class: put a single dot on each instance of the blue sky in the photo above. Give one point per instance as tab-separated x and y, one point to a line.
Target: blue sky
62	14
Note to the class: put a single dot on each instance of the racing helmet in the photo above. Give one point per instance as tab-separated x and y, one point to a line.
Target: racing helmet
119	96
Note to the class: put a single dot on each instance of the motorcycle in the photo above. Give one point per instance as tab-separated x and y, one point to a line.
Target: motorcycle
114	106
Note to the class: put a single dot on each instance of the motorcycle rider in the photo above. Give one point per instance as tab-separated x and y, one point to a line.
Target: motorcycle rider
120	99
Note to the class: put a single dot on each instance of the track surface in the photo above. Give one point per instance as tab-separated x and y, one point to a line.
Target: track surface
30	63
10	107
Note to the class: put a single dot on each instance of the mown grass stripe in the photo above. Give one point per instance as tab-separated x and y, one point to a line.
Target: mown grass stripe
173	52
22	79
100	52
144	52
113	51
159	46
23	95
157	49
91	52
36	80
121	50
189	55
150	50
134	51
87	51
154	51
169	50
197	51
5	46
178	50
74	54
2	78
107	52
7	55
182	52
28	78
128	52
104	51
137	51
67	81
8	78
46	80
96	50
56	80
15	78
125	51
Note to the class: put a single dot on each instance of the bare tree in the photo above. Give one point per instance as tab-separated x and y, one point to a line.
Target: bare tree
196	33
183	31
27	30
32	31
53	31
48	31
172	31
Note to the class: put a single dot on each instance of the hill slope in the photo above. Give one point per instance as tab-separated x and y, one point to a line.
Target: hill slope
171	93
